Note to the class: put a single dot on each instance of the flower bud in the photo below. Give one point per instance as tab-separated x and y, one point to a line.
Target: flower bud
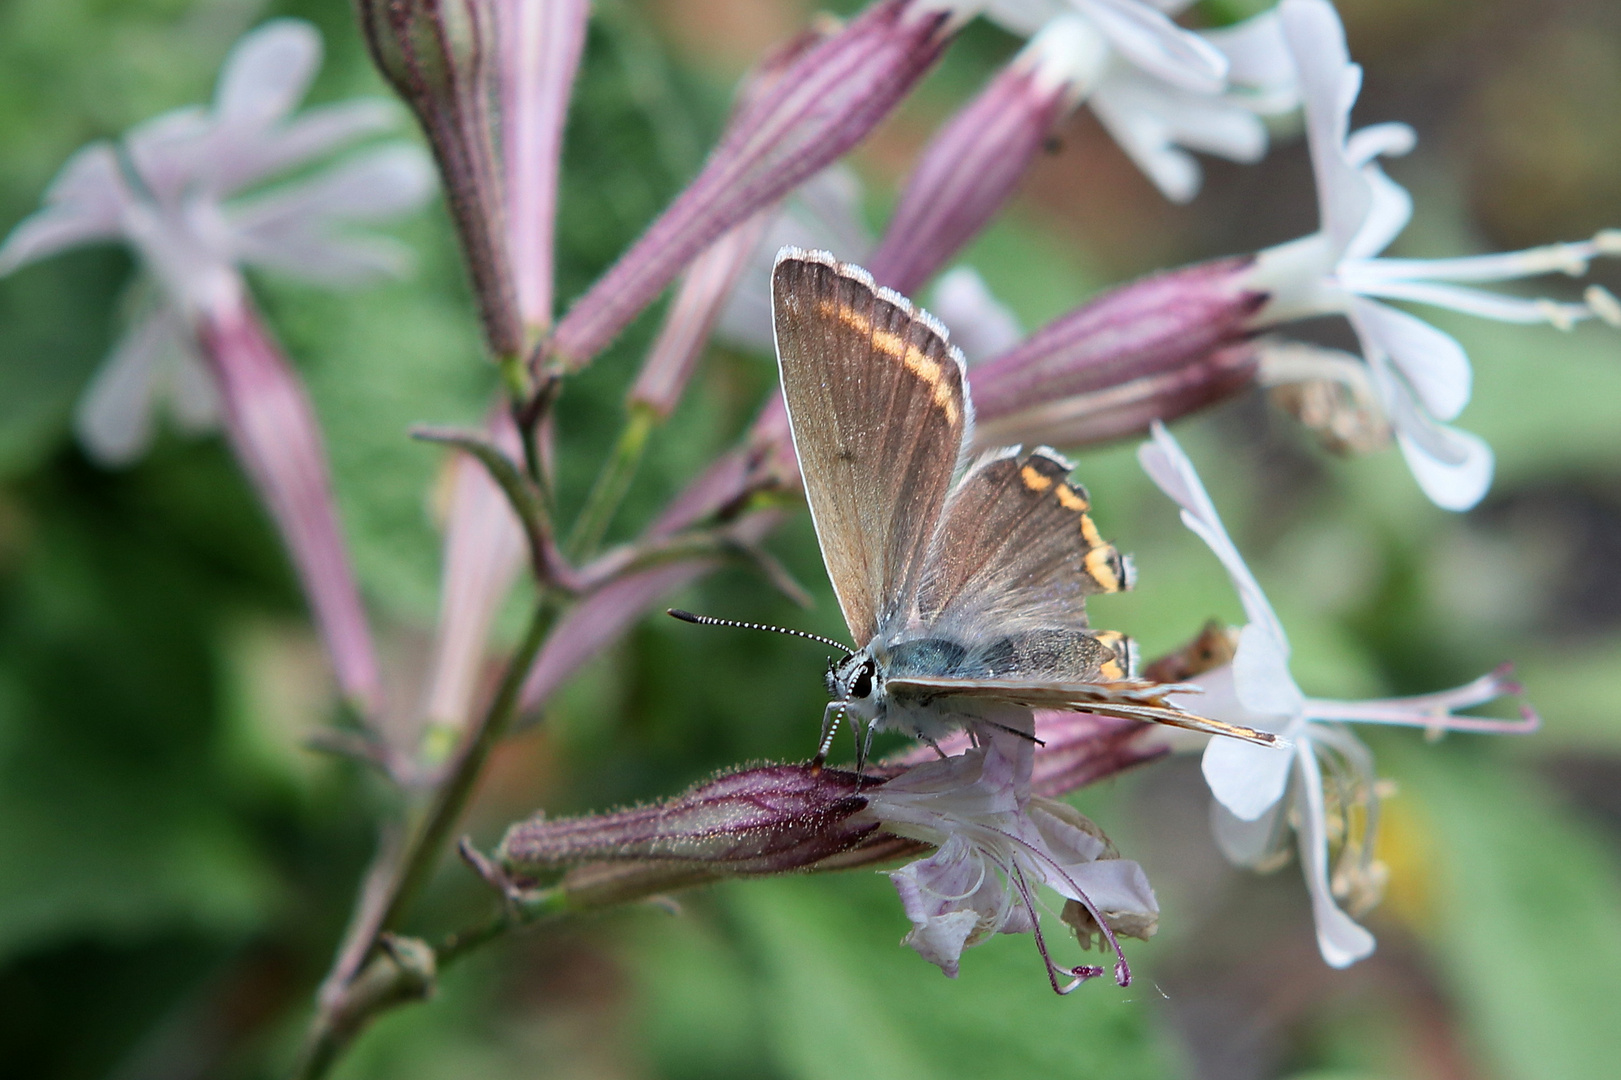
823	102
437	54
1156	348
764	820
540	45
272	428
973	163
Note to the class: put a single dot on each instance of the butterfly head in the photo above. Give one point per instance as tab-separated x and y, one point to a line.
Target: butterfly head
857	683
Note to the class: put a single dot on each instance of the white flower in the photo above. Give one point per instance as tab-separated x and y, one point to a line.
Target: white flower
164	189
1318	785
1159	89
996	846
1421	373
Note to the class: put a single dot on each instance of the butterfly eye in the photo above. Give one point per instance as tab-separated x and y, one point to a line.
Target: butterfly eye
862	686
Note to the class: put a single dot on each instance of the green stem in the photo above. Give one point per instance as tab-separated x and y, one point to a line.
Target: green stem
424	849
395	975
612	484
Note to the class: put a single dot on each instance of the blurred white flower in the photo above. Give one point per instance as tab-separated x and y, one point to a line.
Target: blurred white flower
173	189
996	846
1162	90
1323	787
1422	373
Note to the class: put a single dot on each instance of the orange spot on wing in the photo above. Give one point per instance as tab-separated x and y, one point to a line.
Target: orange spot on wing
1069	500
1100	564
927	369
1035	481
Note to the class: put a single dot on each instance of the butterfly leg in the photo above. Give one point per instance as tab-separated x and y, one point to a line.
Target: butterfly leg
863	733
830	727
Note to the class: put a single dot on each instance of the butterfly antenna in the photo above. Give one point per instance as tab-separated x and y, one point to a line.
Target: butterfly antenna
710	620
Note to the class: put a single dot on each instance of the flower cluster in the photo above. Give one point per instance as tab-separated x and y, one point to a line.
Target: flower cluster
489	83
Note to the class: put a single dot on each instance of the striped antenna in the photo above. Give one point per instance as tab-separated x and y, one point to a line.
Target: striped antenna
710	620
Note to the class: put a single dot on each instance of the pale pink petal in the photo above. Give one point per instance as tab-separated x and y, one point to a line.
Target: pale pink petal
540	42
1249	843
1157	45
267	73
1261	675
981	325
83	205
115	419
484	550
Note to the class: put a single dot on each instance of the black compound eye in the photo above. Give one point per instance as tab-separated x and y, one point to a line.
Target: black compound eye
862	685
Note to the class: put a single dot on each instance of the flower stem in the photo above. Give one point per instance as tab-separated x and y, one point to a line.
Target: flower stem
611	484
402	969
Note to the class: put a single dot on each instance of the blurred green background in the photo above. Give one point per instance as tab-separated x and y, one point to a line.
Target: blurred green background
175	868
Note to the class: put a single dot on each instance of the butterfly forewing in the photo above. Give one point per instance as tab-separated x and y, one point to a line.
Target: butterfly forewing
1131	699
879	415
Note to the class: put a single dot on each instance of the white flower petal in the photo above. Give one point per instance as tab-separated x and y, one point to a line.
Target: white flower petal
194	400
1328	87
1431	360
1169	468
310	135
1258	60
1388	209
1248	843
1339	938
267	73
1157	45
1457	481
1391	139
1261	674
1115	886
1247	779
1025	17
1152	122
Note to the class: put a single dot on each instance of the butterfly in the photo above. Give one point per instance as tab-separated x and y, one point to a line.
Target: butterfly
963	583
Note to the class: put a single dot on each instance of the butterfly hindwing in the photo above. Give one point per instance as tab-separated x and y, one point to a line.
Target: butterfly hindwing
879	413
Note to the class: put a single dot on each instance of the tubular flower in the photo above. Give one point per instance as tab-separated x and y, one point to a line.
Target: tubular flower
540	45
1422	374
1323	785
173	188
170	189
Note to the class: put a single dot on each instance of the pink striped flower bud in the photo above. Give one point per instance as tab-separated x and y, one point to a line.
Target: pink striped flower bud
439	55
1156	348
824	102
766	820
272	428
972	165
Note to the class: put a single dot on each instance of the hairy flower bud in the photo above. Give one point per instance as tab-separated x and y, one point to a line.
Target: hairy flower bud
765	820
437	54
